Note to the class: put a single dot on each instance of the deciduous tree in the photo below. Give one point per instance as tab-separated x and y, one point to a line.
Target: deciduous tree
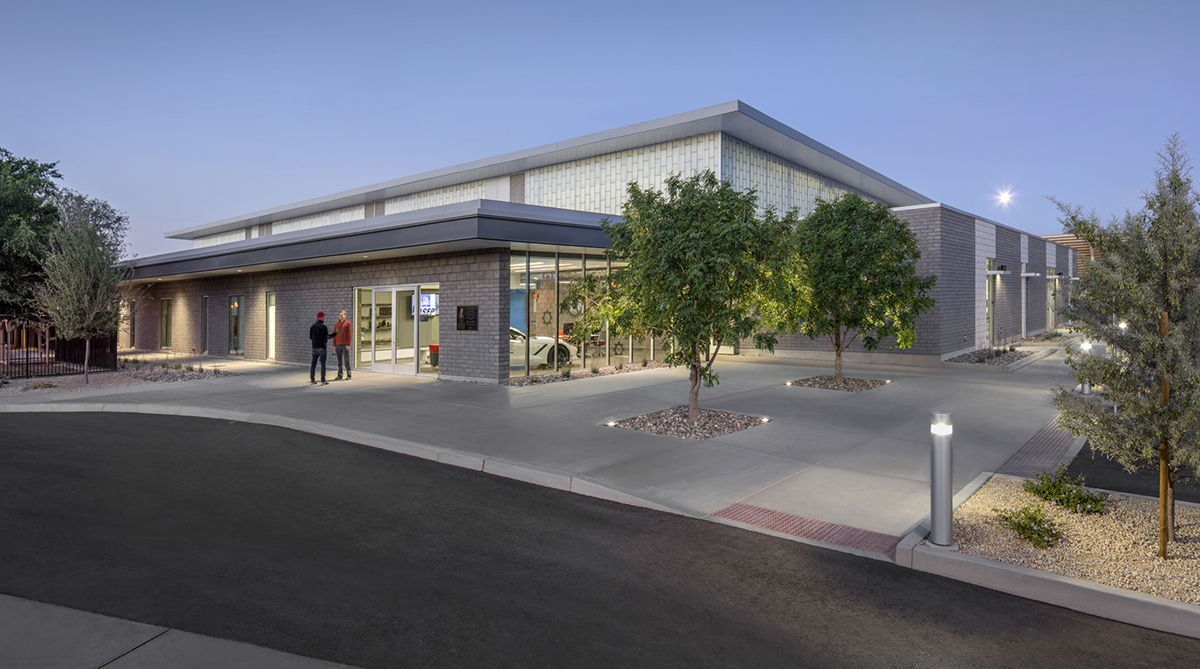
27	217
82	289
853	274
698	255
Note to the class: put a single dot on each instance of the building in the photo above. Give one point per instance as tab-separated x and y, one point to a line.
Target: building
489	244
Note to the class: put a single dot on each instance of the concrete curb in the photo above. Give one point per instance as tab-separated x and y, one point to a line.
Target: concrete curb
1103	601
542	476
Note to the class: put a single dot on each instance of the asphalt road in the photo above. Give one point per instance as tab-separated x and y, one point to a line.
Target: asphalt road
346	553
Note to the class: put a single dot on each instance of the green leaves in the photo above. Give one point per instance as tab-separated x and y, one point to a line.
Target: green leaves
27	216
698	257
1148	262
851	272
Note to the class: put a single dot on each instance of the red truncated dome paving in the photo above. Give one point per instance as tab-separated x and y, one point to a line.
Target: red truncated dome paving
807	528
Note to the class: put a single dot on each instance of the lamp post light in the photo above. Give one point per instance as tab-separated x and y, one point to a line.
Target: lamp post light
1087	387
941	484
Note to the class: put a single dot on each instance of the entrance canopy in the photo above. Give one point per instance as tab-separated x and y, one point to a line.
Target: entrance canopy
463	226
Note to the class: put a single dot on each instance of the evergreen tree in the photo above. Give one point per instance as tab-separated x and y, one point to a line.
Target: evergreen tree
1141	298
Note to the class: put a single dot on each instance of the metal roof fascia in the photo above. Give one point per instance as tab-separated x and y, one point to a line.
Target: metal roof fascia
735	118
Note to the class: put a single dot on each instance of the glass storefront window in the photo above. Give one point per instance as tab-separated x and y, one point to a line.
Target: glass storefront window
518	310
546	350
427	330
237	325
570	268
625	349
596	347
164	337
362	328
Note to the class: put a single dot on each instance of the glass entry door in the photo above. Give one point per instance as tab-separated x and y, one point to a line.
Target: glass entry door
402	327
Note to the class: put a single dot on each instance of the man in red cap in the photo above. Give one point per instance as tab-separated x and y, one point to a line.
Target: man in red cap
319	336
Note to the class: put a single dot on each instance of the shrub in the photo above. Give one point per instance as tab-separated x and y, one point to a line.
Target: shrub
1066	492
566	373
1031	524
595	370
620	366
191	368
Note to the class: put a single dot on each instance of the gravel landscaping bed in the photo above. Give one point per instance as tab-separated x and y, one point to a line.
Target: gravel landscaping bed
1000	359
100	380
1058	339
1117	548
847	384
557	377
673	422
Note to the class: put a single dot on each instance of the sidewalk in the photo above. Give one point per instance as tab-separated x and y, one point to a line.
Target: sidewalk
33	634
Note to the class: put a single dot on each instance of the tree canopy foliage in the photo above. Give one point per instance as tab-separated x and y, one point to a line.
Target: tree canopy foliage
1147	265
27	218
851	274
82	289
698	256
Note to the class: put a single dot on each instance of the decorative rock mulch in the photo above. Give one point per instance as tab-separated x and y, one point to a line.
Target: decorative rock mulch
1042	340
1117	548
980	357
673	422
103	379
847	384
556	377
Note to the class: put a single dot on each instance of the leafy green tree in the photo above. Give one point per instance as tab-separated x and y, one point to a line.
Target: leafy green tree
698	256
83	286
1146	276
27	217
851	273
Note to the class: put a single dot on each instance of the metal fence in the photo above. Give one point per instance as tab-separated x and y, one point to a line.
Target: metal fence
29	349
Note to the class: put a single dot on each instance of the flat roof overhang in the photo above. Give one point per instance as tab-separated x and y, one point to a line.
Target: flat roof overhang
734	118
478	224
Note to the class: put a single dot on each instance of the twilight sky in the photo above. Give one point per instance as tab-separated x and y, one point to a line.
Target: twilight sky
186	113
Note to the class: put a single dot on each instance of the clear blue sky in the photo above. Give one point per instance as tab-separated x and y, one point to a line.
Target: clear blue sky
185	113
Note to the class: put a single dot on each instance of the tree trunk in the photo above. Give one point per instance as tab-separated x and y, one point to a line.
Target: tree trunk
694	395
1164	456
1171	509
87	352
837	353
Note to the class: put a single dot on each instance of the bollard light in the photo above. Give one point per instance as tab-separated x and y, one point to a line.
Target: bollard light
1087	386
941	484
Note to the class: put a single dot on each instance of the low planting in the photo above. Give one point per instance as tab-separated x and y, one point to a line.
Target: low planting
1068	493
1031	524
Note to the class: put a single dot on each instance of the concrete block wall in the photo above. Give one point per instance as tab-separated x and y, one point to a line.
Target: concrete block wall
947	242
954	294
1035	303
467	278
1007	319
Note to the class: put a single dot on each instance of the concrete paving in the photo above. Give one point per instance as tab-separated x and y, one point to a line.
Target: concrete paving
858	459
35	635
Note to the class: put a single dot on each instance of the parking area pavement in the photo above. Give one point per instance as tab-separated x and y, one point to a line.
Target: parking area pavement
857	459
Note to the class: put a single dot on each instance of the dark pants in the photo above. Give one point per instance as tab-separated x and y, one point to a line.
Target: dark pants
318	354
343	358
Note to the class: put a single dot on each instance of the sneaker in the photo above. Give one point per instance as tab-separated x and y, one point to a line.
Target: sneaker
324	383
312	383
338	379
347	377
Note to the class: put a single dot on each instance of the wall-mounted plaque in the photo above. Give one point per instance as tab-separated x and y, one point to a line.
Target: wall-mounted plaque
468	317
